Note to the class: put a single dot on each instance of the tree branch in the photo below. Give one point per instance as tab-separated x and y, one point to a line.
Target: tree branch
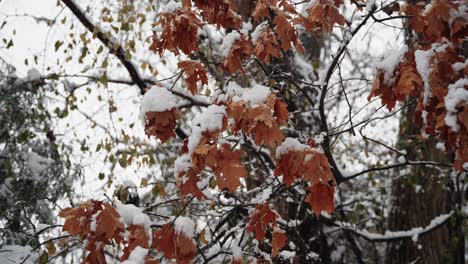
118	52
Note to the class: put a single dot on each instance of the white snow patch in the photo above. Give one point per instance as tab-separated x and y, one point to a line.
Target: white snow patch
210	120
457	93
33	74
246	27
255	95
440	146
137	256
228	41
290	144
182	163
255	34
157	99
13	254
37	164
390	62
132	215
288	254
170	7
215	249
408	233
185	225
236	252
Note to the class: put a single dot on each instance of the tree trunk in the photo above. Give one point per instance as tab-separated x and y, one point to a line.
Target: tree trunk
421	193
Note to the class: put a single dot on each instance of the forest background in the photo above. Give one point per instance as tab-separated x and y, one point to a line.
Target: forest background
296	131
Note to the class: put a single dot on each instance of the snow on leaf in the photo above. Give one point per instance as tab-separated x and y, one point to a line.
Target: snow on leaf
240	50
299	161
138	237
173	244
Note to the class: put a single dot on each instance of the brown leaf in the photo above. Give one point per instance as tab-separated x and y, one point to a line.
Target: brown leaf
179	32
187	183
219	12
286	32
161	124
323	15
108	223
278	241
229	168
137	237
281	111
267	45
261	219
174	245
195	72
321	198
241	50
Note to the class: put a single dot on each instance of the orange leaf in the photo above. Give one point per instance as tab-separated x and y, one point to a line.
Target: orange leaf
229	168
321	198
278	241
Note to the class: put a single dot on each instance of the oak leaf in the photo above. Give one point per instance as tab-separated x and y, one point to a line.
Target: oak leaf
219	12
137	237
267	45
195	72
161	124
187	183
323	15
240	50
321	198
179	32
174	245
278	241
286	32
229	168
261	219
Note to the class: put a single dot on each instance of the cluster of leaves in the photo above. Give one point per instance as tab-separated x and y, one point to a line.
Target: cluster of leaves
431	72
213	157
209	155
271	39
35	171
99	224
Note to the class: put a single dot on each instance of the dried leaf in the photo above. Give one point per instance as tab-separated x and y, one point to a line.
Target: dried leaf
321	198
161	124
278	241
195	72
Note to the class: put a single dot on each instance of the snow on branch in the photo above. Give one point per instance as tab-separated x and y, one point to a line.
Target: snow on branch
413	233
